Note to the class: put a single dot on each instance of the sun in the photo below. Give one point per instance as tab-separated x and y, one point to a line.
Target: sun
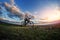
51	14
53	17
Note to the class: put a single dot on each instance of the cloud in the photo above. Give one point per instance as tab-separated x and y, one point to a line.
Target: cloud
12	2
2	18
13	9
30	15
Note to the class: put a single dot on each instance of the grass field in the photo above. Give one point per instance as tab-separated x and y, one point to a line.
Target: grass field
14	32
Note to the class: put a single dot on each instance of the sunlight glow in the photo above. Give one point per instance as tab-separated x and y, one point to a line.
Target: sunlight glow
52	14
49	13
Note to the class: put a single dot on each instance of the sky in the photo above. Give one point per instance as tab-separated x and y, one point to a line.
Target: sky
36	7
32	5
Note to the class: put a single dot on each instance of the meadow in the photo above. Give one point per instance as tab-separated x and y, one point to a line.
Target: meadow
17	32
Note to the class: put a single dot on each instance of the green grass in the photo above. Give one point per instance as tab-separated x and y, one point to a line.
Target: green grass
14	32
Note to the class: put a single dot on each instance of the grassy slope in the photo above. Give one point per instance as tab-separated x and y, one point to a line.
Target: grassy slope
13	32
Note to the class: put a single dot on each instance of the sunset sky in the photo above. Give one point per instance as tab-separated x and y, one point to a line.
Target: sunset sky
45	9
